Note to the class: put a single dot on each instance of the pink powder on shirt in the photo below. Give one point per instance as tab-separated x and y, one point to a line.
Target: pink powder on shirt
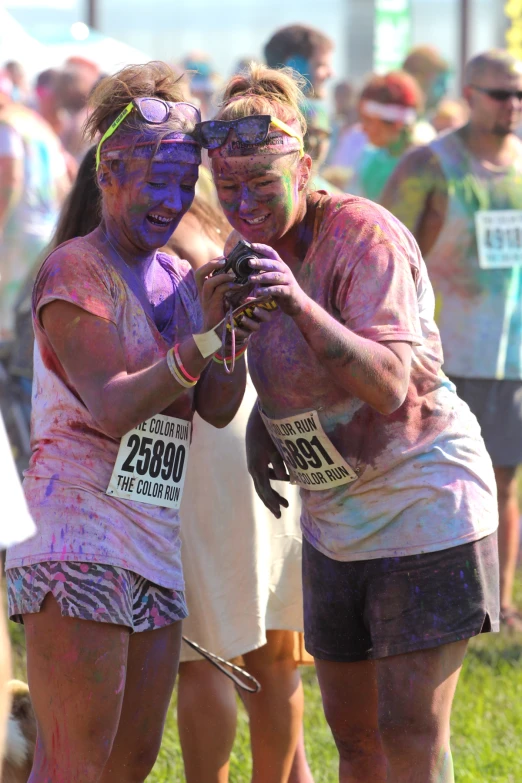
72	457
426	482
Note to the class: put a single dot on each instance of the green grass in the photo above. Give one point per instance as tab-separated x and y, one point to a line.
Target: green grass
487	720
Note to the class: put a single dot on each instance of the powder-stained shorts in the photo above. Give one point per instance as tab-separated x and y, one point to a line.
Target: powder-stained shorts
371	609
91	591
498	408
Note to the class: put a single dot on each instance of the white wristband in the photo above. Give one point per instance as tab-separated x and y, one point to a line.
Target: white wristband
207	343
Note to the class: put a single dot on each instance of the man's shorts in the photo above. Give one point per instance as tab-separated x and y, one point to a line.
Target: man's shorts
90	591
368	609
498	408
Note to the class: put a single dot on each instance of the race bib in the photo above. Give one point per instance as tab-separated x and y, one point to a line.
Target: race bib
311	458
152	462
499	238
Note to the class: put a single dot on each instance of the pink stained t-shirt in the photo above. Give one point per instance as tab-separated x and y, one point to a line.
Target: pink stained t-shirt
425	481
73	458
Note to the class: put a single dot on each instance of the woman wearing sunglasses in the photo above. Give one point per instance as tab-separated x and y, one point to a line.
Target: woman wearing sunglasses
399	513
124	356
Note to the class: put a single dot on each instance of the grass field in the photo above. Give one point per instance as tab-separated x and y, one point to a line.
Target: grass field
487	720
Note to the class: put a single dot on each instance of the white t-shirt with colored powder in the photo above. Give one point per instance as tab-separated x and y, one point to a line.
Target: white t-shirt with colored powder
73	459
425	482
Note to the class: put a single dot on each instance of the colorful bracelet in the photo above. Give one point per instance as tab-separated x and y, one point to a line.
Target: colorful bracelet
181	367
221	360
176	373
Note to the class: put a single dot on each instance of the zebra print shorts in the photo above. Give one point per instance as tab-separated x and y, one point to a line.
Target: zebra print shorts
93	591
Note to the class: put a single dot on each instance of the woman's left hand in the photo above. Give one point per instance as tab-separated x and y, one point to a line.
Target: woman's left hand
274	278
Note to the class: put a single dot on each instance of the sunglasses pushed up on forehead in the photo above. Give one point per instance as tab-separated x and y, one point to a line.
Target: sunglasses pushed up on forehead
155	111
250	130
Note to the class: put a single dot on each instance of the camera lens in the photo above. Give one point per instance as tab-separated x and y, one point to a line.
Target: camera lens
243	268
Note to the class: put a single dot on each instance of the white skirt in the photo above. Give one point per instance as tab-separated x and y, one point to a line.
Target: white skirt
242	566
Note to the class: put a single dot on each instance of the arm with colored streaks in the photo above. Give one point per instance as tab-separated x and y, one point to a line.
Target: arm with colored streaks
90	352
417	194
376	372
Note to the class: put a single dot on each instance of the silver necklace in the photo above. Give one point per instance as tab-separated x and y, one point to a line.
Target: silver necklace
153	292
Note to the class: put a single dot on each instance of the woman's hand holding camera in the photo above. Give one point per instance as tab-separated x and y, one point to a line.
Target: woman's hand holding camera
272	277
213	289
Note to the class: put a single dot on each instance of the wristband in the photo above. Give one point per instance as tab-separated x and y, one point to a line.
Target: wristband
207	343
176	374
181	367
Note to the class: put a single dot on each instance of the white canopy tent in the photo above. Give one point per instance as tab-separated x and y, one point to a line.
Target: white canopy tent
17	44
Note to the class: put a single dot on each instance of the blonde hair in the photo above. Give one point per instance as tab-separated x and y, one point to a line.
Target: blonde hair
262	90
113	93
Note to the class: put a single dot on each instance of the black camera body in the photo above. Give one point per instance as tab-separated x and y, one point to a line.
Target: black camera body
238	261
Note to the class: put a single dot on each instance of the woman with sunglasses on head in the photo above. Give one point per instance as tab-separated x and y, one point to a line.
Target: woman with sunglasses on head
399	513
124	356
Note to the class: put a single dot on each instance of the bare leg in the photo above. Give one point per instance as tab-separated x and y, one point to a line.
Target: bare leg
152	665
508	532
207	717
415	698
76	671
300	772
350	701
276	713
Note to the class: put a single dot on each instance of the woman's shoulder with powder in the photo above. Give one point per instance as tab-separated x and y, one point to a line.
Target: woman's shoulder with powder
77	272
360	224
181	270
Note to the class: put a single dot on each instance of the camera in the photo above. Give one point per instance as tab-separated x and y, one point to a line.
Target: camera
238	261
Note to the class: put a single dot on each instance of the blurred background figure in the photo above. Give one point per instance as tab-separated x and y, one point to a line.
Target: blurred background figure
47	100
20	92
317	143
389	107
33	183
345	109
75	84
242	64
432	73
461	197
203	80
345	104
449	115
305	49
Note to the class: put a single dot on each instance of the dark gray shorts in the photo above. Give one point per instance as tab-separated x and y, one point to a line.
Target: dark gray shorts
498	408
92	591
371	609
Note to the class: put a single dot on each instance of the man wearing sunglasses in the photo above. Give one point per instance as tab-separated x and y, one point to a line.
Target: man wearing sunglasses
461	196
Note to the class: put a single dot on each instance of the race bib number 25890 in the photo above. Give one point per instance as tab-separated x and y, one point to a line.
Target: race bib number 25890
152	462
310	456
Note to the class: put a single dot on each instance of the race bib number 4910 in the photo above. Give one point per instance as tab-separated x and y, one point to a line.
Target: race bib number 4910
152	462
310	456
499	238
